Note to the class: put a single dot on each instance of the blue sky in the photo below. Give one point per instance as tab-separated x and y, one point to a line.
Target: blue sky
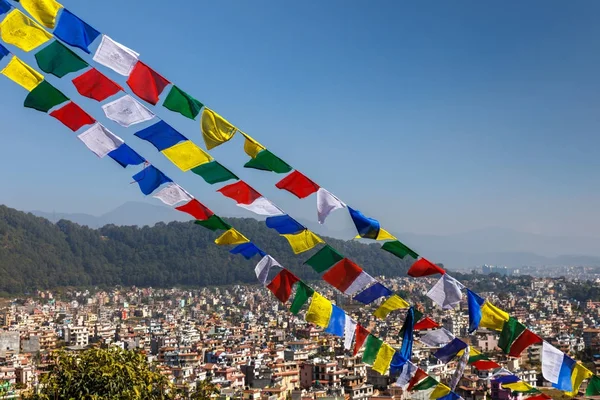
434	117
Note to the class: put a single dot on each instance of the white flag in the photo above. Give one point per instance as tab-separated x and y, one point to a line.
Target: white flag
262	206
460	368
361	282
264	266
552	360
127	111
100	140
437	337
326	204
349	331
446	293
116	56
406	374
172	194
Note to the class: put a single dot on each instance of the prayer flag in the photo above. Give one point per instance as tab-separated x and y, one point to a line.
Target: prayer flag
319	311
425	384
248	250
267	161
446	293
196	210
373	293
179	101
146	83
450	396
216	130
460	368
399	250
437	338
326	204
127	111
303	293
507	379
407	335
21	73
348	277
44	11
440	391
449	351
214	223
75	32
510	332
360	335
384	358
593	387
251	146
303	241
4	8
564	377
96	86
284	224
262	206
398	361
349	331
580	373
3	50
392	303
407	371
172	194
539	397
21	31
125	155
426	323
115	56
424	267
264	266
552	360
44	97
417	377
324	259
150	178
372	346
58	60
336	322
518	386
100	140
241	192
73	116
231	236
161	135
484	365
298	184
367	228
381	235
213	172
186	155
281	285
492	317
526	339
475	303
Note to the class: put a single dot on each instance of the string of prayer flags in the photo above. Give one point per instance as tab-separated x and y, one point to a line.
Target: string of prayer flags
450	350
21	31
336	322
319	311
3	52
231	236
22	74
324	259
475	303
75	32
392	303
146	83
526	339
303	293
216	130
349	332
298	185
263	268
73	116
172	194
593	387
214	223
125	155
267	161
367	228
247	250
186	155
373	293
426	323
161	135
510	332
384	358
437	338
492	317
423	267
127	111
94	85
580	373
44	97
281	285
251	146
372	346
115	56
58	60
4	7
213	172
326	204
196	210
284	224
44	11
101	141
179	101
446	293
150	178
348	277
408	335
440	391
407	372
399	250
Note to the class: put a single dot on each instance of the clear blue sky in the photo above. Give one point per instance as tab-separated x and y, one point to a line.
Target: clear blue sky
434	117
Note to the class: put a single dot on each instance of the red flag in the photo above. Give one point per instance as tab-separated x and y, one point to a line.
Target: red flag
196	210
484	365
423	267
418	377
146	83
342	274
298	184
525	339
72	116
360	336
426	323
96	86
241	192
281	285
539	397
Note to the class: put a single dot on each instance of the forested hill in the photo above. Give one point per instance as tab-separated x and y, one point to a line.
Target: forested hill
36	254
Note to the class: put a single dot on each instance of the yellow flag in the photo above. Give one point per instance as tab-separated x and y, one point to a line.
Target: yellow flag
21	73
384	358
394	302
186	155
319	311
251	146
440	391
20	30
303	241
518	386
231	236
492	317
382	235
44	11
215	129
579	374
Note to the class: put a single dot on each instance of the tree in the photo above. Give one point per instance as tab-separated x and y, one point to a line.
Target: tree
204	390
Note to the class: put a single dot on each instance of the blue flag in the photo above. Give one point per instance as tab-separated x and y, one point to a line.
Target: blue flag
564	376
447	353
4	7
284	224
336	322
397	362
3	51
450	396
367	228
507	379
407	337
161	135
125	156
248	250
150	178
372	293
73	31
475	303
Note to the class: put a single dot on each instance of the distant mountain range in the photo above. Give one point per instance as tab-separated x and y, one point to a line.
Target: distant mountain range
498	246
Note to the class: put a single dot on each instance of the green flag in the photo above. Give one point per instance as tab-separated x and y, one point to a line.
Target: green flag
510	332
44	96
324	259
476	358
179	101
593	387
267	161
372	346
214	223
398	249
58	60
303	293
213	172
425	384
